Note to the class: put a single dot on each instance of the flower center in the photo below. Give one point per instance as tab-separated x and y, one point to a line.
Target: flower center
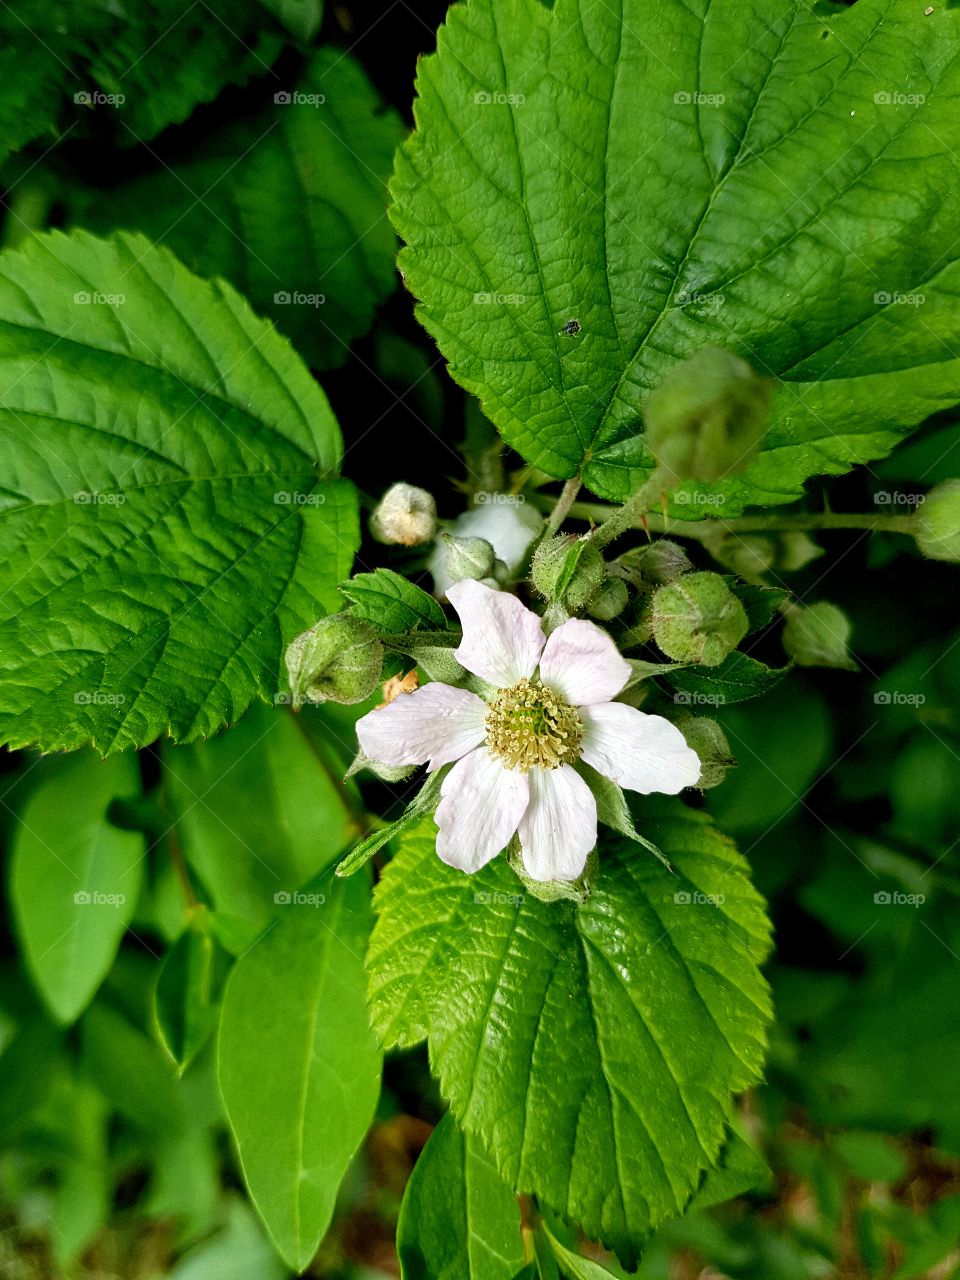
531	725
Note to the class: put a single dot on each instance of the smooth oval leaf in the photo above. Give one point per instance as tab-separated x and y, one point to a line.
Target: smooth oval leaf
75	877
459	1220
185	999
165	457
299	1065
594	192
258	812
594	1048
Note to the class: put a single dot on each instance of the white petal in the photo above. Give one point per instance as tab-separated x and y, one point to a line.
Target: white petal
559	827
502	639
434	725
508	523
481	804
583	664
639	751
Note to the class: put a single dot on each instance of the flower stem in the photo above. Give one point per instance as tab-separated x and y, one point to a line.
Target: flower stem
568	496
612	521
633	514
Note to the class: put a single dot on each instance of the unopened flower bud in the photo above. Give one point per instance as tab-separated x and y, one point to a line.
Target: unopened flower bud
708	416
658	562
707	739
340	659
817	635
406	516
610	600
569	570
937	523
468	558
698	619
750	556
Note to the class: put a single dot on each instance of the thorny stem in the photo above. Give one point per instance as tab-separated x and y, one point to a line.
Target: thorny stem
617	520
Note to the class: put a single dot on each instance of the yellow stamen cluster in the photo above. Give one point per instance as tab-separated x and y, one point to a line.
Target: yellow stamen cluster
531	725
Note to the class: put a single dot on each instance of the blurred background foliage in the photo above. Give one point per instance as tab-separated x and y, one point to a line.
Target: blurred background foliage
115	1157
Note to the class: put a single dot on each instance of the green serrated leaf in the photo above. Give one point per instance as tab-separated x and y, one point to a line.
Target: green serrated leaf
458	1220
736	679
163	58
299	1065
293	207
622	1026
166	459
391	603
75	878
761	604
595	192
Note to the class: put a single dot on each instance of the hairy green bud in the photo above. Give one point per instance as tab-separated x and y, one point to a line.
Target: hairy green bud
708	416
937	523
698	619
468	558
406	516
340	659
568	570
818	635
610	600
704	736
657	563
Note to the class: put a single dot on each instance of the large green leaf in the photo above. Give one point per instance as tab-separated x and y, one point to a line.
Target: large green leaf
166	521
299	1065
594	1048
163	57
288	204
75	878
673	175
257	812
458	1220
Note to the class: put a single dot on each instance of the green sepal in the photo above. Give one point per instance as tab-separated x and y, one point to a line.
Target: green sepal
612	808
423	802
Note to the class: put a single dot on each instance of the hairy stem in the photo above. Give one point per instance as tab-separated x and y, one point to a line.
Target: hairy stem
619	519
568	496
